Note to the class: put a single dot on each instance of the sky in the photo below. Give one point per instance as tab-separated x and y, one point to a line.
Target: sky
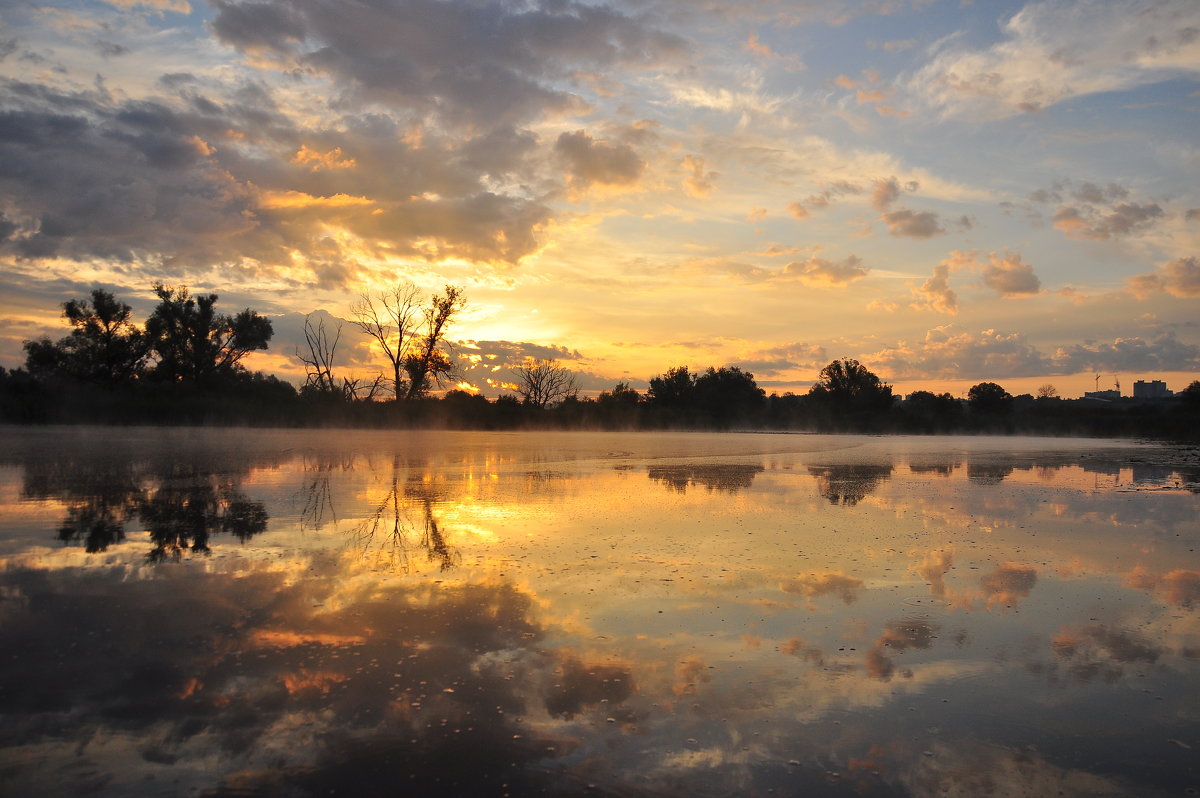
949	192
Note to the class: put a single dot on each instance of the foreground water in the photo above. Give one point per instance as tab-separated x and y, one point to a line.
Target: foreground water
238	613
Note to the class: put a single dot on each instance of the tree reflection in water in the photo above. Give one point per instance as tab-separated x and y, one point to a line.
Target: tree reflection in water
180	505
727	477
387	533
849	484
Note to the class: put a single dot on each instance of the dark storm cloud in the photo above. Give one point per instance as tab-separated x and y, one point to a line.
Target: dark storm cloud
463	62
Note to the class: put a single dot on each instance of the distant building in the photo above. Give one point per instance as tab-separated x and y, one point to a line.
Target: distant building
1106	396
1151	389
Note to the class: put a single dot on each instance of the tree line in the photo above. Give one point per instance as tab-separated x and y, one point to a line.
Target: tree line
186	364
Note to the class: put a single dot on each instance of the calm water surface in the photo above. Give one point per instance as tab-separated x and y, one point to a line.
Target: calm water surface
198	612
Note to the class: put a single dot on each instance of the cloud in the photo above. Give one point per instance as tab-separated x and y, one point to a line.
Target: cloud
936	292
203	180
824	198
949	352
1164	353
885	193
699	182
1122	219
913	224
460	62
178	6
591	162
1180	277
514	353
1089	211
766	55
1006	274
1009	276
352	349
902	221
1053	52
776	360
825	273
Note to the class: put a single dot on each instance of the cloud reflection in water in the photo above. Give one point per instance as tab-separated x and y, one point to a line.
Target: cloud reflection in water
505	614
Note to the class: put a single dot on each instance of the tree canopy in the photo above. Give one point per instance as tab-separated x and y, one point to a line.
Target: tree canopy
848	386
194	343
104	346
988	397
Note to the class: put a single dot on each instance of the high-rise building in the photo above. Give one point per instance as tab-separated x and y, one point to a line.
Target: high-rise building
1151	389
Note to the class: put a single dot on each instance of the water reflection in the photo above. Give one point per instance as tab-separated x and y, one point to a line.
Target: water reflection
512	615
179	504
849	484
387	532
727	477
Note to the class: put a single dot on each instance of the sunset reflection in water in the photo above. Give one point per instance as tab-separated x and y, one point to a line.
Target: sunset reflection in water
198	611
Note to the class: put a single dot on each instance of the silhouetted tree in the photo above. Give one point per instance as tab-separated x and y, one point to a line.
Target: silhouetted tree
621	396
990	398
1047	391
541	383
428	362
848	386
674	389
318	367
727	395
193	343
620	405
104	346
1191	395
928	411
390	318
410	338
318	363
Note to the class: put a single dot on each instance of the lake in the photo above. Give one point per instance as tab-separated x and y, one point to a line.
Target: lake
249	612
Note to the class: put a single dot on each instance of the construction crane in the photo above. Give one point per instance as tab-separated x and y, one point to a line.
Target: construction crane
1118	381
1097	382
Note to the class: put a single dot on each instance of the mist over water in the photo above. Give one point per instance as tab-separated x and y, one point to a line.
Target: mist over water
200	611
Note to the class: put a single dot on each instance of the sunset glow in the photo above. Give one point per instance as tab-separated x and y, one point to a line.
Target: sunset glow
948	192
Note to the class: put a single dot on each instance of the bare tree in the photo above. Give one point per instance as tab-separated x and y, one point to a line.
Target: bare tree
1047	391
390	317
318	366
545	382
429	363
412	339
